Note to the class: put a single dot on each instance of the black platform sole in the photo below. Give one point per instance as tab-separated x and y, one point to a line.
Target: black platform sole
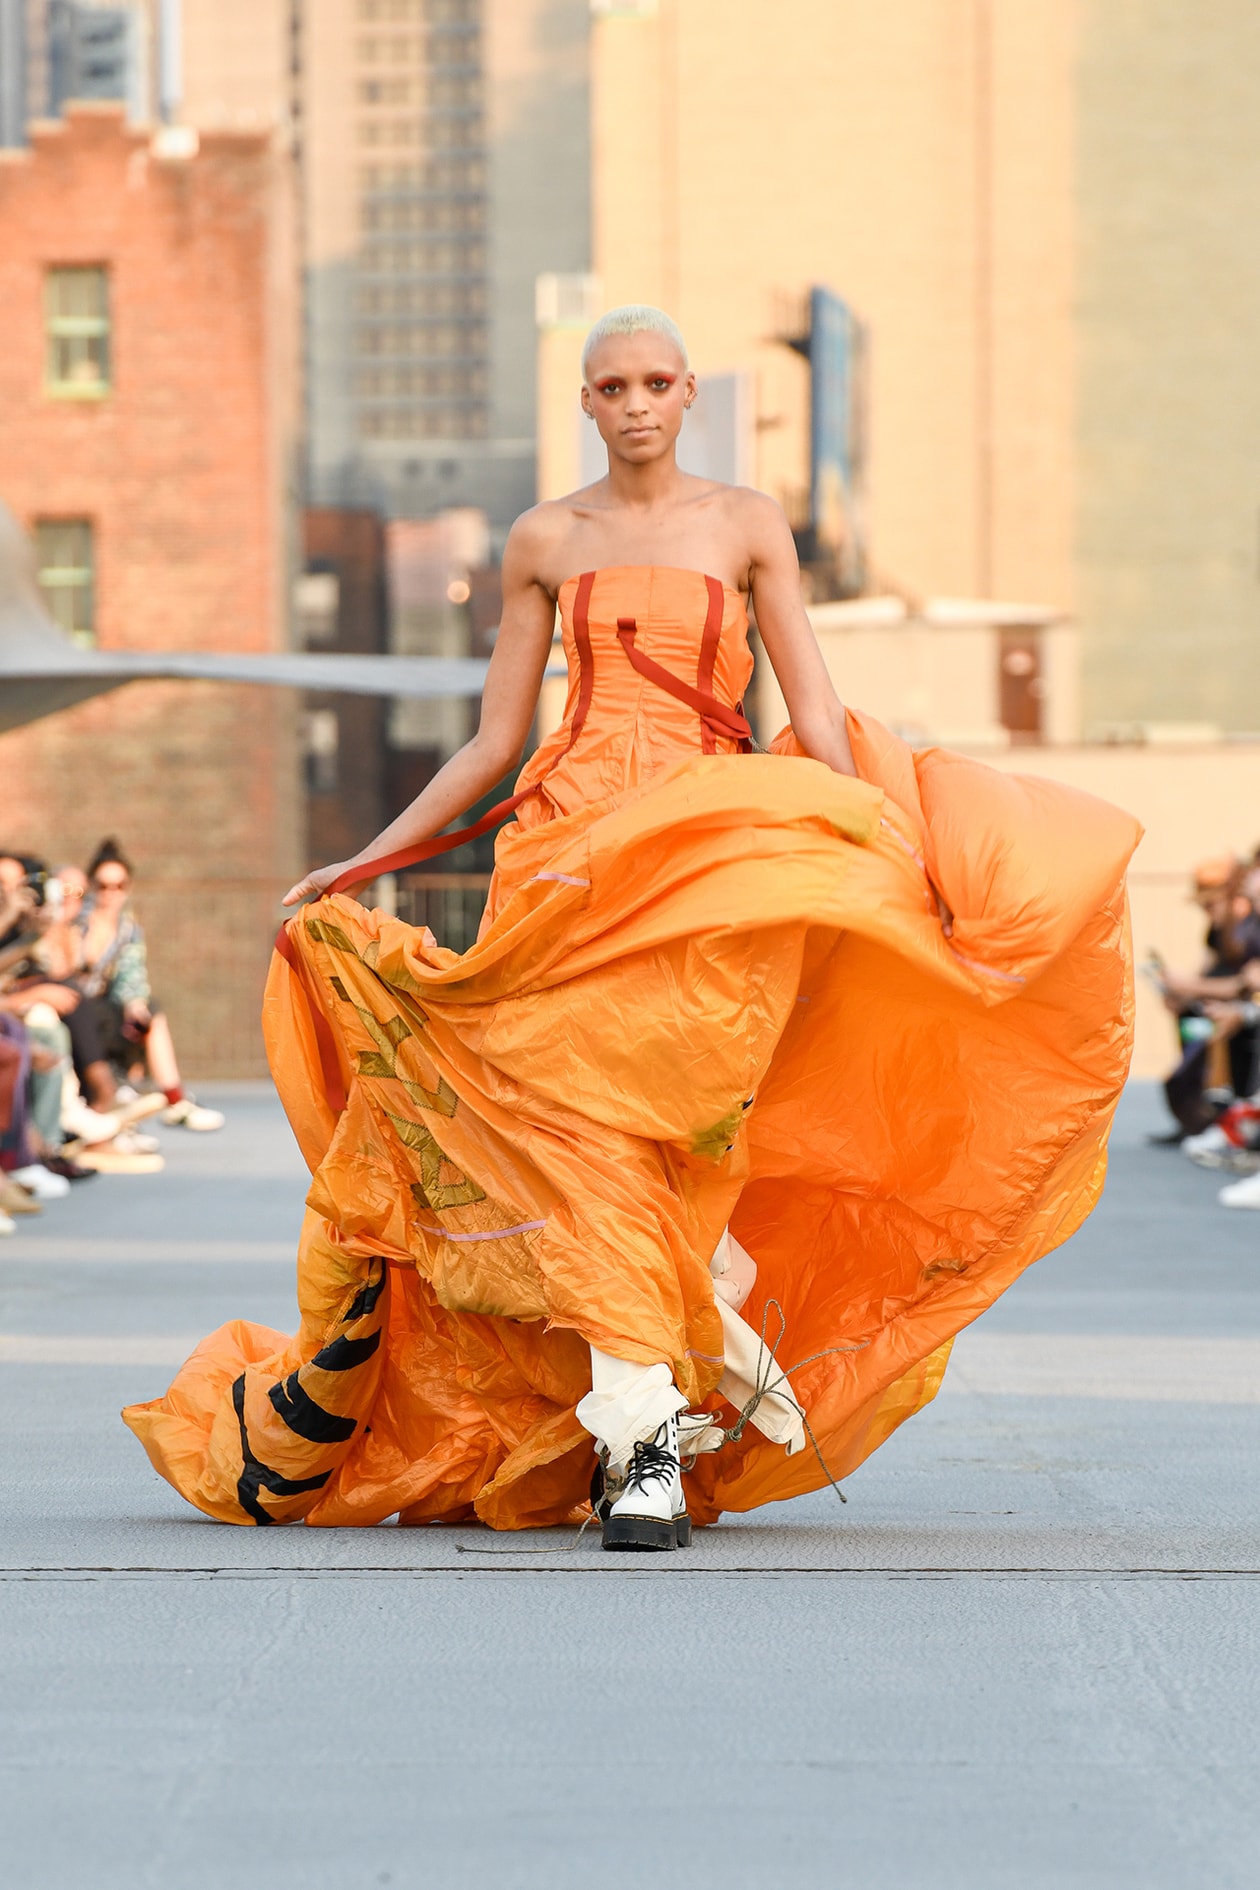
645	1535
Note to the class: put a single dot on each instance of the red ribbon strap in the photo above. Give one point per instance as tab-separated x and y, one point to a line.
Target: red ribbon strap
428	849
716	720
444	843
714	714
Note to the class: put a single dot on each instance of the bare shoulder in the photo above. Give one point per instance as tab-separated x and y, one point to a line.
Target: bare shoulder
758	525
537	530
541	544
760	517
529	556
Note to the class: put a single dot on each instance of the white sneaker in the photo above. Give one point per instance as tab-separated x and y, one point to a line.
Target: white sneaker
187	1114
651	1511
7	1226
87	1126
132	1142
41	1182
1241	1194
116	1120
1211	1148
116	1161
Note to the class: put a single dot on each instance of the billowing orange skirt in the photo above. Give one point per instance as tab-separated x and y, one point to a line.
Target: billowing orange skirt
536	1146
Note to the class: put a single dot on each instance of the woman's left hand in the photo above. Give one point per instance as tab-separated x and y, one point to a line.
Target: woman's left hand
136	1019
943	912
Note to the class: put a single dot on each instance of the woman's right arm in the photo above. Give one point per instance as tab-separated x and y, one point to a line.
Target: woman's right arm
508	702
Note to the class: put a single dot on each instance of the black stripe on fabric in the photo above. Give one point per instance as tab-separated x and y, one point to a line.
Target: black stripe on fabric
365	1302
344	1354
256	1476
306	1418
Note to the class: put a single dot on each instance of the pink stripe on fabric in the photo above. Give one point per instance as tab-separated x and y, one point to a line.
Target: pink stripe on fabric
563	879
989	971
496	1233
902	842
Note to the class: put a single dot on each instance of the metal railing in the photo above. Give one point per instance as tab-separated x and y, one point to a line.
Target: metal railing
450	904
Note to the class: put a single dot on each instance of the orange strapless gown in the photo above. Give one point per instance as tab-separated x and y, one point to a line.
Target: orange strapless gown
537	1145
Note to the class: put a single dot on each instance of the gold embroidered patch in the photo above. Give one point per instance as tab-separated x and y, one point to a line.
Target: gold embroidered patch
324	932
441	1184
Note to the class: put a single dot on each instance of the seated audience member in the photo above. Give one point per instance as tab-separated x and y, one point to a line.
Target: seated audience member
25	1064
114	976
15	1146
1244	1193
47	1013
17	900
1219	1048
54	1119
10	1077
52	1171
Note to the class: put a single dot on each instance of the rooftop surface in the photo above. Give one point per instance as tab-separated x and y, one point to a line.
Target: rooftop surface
1023	1655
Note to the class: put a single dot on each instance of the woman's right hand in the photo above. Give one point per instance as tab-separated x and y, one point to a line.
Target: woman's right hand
316	884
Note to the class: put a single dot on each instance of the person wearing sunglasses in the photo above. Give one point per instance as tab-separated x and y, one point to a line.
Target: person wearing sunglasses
114	974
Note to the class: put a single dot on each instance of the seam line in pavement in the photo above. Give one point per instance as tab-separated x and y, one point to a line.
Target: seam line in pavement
461	1571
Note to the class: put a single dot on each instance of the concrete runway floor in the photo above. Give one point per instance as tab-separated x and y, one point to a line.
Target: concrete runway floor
1024	1657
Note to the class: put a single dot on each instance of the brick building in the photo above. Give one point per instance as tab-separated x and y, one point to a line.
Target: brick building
148	436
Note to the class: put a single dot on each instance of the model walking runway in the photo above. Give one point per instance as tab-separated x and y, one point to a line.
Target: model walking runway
829	1036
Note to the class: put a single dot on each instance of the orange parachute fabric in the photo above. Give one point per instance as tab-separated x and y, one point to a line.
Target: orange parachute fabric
711	988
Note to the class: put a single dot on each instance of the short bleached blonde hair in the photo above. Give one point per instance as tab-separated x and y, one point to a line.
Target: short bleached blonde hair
635	318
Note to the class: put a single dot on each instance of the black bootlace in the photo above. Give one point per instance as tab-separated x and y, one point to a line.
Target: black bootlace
650	1462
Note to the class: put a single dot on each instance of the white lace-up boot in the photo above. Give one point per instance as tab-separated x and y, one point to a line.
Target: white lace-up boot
649	1511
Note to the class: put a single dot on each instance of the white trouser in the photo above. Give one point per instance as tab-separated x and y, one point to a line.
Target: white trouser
629	1402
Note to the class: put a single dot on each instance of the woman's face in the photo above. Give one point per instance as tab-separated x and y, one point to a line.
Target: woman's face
636	390
111	883
74	885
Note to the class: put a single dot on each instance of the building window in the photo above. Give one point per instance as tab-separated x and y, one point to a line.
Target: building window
323	746
76	303
66	570
317	602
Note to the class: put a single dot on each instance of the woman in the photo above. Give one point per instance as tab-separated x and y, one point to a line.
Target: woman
36	994
113	974
1215	1023
720	1043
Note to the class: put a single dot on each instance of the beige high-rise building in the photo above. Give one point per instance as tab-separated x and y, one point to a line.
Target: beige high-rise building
443	149
1040	211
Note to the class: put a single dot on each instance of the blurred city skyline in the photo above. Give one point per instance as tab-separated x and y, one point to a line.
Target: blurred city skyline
1034	217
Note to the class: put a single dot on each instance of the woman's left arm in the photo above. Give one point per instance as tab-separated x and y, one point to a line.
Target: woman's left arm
816	712
129	980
